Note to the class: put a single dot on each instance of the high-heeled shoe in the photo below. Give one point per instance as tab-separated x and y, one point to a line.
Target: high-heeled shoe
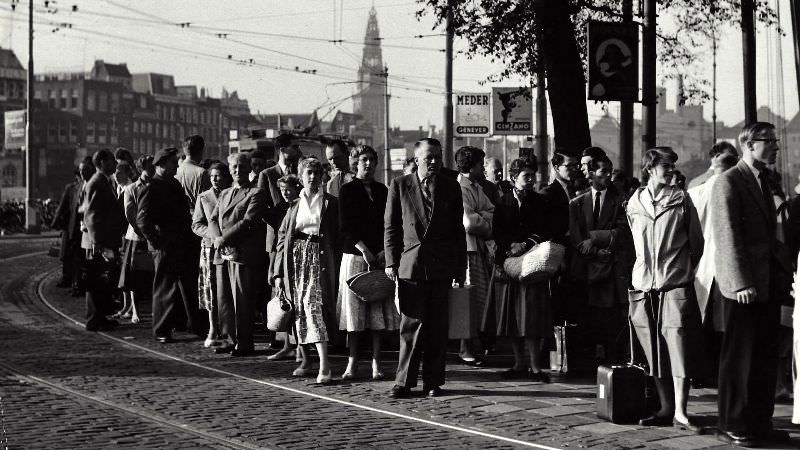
301	372
324	378
349	374
135	319
282	355
377	375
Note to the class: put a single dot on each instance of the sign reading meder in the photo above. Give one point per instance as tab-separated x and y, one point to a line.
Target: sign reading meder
472	115
15	130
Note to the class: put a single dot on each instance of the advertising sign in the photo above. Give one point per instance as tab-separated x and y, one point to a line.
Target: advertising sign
15	130
512	111
472	114
613	53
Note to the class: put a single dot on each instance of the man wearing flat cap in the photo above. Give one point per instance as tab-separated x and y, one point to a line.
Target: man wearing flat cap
166	224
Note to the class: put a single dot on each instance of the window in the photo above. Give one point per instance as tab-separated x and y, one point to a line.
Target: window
115	102
150	128
91	103
143	102
73	132
52	100
102	131
102	102
52	132
37	94
135	126
63	129
9	175
74	102
158	111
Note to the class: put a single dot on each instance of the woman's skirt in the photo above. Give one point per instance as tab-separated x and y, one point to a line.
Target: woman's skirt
128	276
207	279
478	276
355	314
308	297
522	310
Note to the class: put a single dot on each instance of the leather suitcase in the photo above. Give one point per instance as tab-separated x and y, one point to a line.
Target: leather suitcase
621	393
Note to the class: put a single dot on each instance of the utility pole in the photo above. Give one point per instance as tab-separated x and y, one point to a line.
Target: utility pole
795	11
542	150
626	113
749	61
714	73
31	217
649	99
387	162
448	81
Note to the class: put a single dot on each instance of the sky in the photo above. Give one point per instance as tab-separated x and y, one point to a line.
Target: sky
279	36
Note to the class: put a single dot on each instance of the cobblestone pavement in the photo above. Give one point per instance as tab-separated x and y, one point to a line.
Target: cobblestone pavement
254	402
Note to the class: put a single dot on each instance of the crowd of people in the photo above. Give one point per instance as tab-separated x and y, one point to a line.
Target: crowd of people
699	275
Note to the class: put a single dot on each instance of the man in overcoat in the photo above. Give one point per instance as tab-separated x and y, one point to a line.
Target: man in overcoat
751	273
426	251
239	229
164	220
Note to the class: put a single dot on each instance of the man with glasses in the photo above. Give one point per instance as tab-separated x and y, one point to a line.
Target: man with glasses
751	273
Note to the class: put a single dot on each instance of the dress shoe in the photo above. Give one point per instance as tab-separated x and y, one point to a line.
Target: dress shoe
324	378
735	438
656	421
689	425
227	348
399	392
165	339
471	361
241	352
540	376
773	435
434	391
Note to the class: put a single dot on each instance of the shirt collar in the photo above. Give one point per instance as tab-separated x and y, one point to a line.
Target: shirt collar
313	198
602	193
754	169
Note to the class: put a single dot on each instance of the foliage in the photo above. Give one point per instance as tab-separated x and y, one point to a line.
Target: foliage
505	32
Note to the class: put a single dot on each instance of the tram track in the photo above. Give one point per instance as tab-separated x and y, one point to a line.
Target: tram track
42	298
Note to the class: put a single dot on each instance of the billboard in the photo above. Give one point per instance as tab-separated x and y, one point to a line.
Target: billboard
472	114
613	61
15	130
512	111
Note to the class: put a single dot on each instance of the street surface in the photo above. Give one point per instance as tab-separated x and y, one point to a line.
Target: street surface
62	387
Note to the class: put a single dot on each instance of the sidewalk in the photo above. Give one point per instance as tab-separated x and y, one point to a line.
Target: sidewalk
561	414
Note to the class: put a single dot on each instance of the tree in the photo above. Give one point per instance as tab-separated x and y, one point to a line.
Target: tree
521	34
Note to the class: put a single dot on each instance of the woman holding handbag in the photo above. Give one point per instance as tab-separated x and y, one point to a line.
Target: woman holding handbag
362	202
522	310
307	267
663	308
207	281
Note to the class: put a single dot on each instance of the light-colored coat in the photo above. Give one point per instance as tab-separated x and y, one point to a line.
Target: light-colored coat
240	221
206	202
704	277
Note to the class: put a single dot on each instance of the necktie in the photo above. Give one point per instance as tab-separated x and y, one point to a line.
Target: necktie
766	192
596	210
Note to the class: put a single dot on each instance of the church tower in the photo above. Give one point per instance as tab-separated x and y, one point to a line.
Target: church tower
368	101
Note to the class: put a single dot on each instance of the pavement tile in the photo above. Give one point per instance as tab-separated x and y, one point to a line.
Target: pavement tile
555	411
689	442
498	409
604	428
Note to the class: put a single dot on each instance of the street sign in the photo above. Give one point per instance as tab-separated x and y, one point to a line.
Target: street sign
613	60
473	115
512	111
15	130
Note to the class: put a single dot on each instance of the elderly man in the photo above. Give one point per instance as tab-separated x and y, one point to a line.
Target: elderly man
337	153
105	225
165	222
238	227
751	273
426	250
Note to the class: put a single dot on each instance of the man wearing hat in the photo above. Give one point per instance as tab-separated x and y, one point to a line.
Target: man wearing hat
166	224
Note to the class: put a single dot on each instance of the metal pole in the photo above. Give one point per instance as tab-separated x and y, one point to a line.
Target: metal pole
31	219
649	99
448	81
714	85
505	156
795	11
541	122
626	113
749	61
387	162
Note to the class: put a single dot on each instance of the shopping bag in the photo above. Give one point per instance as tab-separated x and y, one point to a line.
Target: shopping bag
460	313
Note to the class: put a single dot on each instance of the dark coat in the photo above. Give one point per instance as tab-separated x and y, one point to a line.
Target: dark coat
748	252
330	257
239	220
361	219
559	211
164	220
421	247
612	289
67	219
532	223
103	216
268	181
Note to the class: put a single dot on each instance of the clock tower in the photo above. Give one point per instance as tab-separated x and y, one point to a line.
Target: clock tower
368	100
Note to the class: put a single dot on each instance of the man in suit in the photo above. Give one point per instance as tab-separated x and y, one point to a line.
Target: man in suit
288	157
426	249
105	225
720	150
337	153
165	222
238	227
600	235
751	273
66	219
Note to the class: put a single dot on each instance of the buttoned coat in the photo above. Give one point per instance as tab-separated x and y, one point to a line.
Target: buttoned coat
613	289
558	205
103	216
206	202
67	218
241	222
747	247
422	247
330	256
268	181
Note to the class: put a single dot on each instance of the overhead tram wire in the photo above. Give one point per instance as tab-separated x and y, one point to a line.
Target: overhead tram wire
302	13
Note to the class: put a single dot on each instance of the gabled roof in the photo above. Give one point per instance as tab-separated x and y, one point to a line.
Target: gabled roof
117	70
9	60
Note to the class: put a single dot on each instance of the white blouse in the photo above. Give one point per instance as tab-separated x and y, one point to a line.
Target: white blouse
309	213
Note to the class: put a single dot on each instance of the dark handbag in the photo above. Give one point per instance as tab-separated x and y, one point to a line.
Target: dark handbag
280	312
